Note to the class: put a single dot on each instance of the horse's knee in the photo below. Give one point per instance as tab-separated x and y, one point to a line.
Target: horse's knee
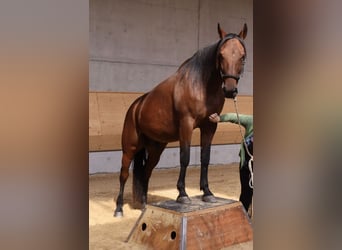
184	156
205	155
184	160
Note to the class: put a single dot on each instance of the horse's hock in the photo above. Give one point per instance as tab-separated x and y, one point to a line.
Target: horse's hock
107	114
200	225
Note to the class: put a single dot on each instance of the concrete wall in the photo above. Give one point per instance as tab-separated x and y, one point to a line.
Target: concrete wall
135	44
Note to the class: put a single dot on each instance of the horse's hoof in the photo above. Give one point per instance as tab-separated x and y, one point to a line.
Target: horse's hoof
118	214
209	198
183	199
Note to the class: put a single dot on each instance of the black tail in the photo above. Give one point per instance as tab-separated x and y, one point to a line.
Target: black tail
140	183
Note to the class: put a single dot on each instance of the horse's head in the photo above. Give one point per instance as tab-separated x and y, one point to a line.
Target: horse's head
231	59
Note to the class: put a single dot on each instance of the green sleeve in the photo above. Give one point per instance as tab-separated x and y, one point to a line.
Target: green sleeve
245	120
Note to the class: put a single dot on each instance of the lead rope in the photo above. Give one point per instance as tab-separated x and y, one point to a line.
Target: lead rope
250	155
244	142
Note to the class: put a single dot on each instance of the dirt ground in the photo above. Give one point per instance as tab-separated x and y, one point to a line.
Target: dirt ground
108	232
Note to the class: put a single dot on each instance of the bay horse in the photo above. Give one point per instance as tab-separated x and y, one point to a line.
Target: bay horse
173	109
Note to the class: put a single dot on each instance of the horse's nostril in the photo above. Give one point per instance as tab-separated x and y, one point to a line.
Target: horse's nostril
232	93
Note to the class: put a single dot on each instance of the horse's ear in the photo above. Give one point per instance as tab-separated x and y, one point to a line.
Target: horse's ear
221	32
243	32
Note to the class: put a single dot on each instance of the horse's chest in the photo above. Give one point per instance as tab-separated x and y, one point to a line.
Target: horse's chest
198	111
203	107
196	102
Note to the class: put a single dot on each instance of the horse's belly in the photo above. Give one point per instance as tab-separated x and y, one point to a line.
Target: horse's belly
159	131
164	138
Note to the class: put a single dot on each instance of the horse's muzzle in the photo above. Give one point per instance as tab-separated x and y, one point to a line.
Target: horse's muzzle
230	93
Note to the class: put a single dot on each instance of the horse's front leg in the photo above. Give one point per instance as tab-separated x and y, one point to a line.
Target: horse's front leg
207	134
184	143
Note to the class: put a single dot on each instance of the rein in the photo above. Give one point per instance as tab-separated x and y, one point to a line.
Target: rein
245	144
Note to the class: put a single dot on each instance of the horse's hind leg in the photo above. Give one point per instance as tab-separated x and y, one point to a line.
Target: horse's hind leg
124	173
140	185
130	145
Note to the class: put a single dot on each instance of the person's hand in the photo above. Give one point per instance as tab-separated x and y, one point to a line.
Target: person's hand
214	117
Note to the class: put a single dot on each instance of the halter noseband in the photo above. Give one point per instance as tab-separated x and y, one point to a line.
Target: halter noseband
225	76
226	38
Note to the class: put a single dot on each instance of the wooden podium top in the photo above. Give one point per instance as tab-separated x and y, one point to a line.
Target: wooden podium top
196	204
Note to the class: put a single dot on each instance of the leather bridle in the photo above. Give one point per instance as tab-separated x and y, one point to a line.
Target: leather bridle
223	40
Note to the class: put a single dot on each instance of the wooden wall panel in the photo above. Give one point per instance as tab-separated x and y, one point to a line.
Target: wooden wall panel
107	112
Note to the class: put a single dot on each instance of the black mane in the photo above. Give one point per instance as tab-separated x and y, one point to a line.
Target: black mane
200	67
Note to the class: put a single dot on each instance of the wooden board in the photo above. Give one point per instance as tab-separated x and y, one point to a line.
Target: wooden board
107	112
200	225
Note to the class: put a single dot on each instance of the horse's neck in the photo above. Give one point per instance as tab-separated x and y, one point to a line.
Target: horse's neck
208	58
201	68
200	76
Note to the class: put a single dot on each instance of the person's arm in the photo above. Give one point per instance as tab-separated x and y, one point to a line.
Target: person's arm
229	117
245	120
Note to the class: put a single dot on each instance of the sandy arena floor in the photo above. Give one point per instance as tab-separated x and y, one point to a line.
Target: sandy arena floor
108	232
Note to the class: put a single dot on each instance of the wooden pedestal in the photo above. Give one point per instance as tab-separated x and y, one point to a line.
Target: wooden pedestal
199	225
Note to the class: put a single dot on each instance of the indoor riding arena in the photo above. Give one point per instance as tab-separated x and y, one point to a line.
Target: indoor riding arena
135	45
